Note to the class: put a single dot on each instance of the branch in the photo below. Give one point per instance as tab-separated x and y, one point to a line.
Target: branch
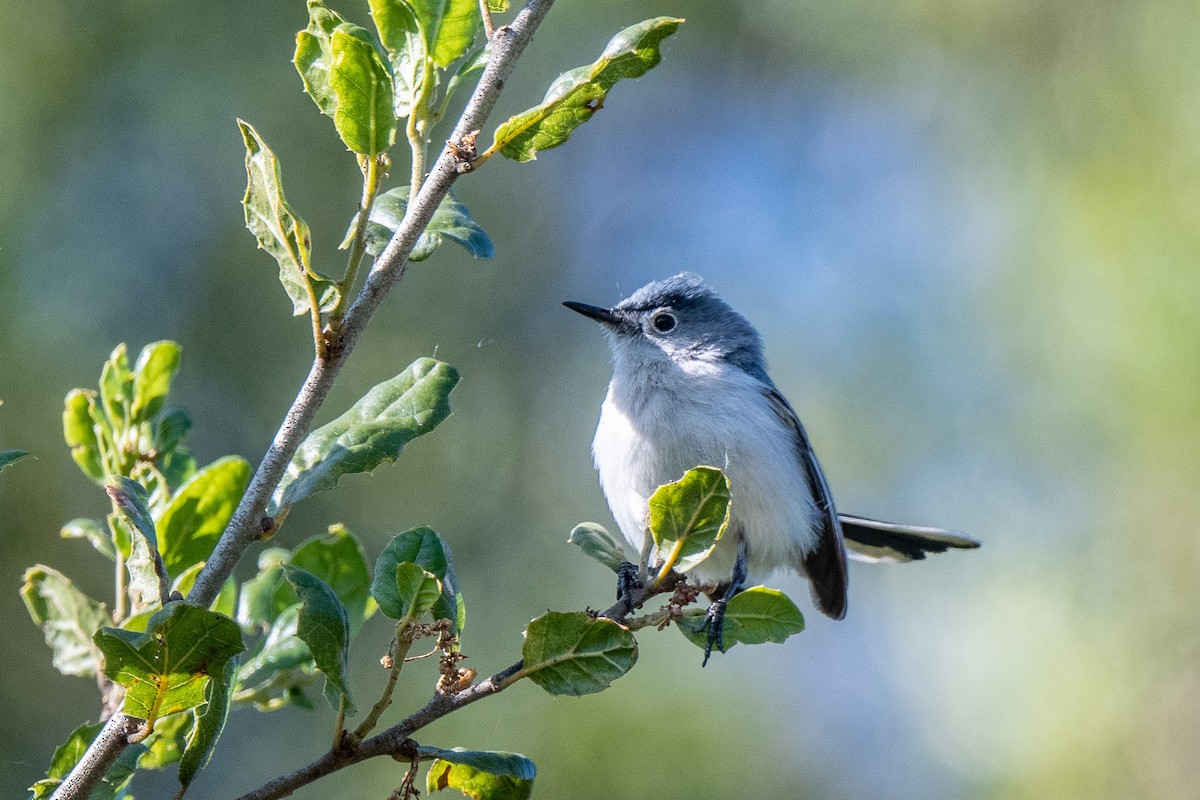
247	523
397	740
108	744
394	741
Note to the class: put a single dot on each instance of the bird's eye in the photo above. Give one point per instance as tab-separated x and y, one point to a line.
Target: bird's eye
663	322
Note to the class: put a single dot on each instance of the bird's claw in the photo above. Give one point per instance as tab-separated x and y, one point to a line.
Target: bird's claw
627	583
714	627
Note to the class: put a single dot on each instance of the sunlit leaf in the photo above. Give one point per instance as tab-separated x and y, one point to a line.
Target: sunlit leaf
753	616
598	543
323	626
450	221
148	582
689	516
375	430
80	420
68	619
91	531
405	45
152	374
260	602
576	95
450	27
116	387
278	229
347	79
192	523
497	5
574	653
165	747
480	774
364	117
166	669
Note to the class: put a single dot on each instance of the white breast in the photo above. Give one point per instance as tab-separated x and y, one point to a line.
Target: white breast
648	436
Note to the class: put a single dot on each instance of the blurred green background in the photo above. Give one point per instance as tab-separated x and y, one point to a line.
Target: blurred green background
967	229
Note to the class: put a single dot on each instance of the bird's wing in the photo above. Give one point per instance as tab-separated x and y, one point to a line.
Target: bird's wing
872	540
825	564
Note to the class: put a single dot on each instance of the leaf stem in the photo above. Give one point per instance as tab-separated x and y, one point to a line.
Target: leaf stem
372	176
488	27
397	652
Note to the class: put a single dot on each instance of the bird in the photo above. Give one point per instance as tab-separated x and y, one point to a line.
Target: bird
690	387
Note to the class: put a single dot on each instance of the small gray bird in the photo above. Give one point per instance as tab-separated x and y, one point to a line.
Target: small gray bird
690	387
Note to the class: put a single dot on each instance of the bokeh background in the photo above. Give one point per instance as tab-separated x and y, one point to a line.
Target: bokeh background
967	229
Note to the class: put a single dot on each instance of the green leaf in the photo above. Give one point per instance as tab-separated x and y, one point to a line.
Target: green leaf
10	457
576	95
225	601
574	653
450	27
281	668
497	5
152	374
374	430
165	746
93	532
451	221
167	668
689	516
415	592
68	619
598	543
338	559
208	723
467	70
259	602
365	117
347	79
148	582
424	548
479	774
278	229
754	616
401	36
192	523
323	626
170	429
67	755
80	421
116	388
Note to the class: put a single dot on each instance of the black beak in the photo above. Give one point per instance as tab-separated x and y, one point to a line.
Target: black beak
602	315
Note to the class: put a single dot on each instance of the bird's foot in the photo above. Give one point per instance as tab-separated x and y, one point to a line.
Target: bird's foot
714	627
627	583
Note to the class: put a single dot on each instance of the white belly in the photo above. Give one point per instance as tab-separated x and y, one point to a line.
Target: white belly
648	439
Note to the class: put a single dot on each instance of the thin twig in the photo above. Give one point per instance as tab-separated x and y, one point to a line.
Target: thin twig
392	741
508	43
